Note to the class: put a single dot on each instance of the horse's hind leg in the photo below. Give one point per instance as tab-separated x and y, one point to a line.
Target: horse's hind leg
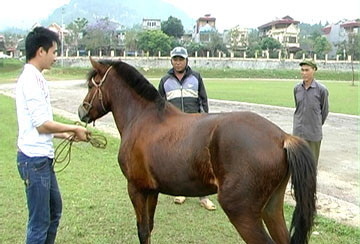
246	218
139	201
151	206
273	215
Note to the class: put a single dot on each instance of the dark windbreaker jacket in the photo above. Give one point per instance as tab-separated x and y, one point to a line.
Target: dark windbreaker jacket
189	94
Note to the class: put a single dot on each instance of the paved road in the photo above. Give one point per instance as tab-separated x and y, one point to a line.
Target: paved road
338	170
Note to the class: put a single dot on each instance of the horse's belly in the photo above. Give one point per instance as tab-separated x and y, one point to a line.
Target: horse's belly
189	188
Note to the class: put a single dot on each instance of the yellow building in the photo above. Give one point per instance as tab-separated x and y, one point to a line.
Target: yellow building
285	30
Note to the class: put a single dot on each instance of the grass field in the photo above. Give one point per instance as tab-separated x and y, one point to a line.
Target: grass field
97	209
343	97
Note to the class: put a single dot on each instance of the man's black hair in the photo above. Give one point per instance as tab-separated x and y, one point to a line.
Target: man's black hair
39	37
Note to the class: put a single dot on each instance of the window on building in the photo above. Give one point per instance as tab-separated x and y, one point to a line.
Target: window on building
292	39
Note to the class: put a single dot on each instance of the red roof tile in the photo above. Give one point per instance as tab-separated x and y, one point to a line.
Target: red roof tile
285	20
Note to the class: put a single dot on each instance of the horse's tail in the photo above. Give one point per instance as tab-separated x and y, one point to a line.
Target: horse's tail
303	180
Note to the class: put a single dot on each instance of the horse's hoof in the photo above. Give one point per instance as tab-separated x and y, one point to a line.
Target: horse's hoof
179	200
207	204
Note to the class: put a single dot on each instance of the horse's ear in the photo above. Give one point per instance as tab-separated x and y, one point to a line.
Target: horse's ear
96	65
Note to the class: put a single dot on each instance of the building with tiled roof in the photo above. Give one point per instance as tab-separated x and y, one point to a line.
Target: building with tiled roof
285	30
339	32
351	26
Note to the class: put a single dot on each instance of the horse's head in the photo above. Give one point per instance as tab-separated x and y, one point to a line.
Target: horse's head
95	104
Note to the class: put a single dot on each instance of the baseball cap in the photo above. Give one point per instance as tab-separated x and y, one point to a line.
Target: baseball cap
309	62
179	51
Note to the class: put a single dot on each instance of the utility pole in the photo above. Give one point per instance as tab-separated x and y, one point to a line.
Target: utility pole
62	36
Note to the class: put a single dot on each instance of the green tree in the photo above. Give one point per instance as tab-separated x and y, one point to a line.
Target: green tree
271	45
321	46
307	45
315	34
216	44
131	39
353	46
254	45
193	47
236	42
154	41
77	30
173	27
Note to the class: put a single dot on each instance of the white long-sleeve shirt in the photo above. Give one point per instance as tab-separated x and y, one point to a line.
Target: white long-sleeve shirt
33	109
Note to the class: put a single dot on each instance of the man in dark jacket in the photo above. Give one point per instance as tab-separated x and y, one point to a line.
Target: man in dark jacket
185	89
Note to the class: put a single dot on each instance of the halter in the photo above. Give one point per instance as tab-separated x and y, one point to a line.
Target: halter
98	90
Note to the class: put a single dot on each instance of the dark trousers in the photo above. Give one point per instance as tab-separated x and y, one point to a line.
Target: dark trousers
315	148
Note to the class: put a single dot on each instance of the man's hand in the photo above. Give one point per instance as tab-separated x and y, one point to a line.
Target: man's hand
81	134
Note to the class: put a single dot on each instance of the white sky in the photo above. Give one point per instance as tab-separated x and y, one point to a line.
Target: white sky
228	13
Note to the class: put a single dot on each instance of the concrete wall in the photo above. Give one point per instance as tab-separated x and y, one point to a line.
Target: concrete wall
215	63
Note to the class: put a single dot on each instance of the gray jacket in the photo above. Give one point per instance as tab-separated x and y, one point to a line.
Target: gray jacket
312	109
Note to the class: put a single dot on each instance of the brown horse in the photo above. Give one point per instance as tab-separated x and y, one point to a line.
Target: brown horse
244	158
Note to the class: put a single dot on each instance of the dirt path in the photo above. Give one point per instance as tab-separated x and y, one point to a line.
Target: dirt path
338	170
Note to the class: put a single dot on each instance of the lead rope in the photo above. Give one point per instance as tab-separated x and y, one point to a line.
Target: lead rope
96	140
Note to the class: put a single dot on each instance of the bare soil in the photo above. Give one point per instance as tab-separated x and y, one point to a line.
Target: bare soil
338	169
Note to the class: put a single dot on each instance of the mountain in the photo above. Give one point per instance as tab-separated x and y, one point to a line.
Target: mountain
125	12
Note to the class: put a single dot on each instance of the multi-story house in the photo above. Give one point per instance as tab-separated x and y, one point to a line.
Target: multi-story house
203	28
351	27
236	39
285	30
151	24
339	33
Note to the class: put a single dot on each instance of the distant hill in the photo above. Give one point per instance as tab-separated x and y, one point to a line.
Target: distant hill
125	12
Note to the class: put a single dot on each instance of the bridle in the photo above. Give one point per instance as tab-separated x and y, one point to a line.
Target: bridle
84	112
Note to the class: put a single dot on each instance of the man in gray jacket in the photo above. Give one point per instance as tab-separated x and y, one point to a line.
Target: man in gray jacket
312	107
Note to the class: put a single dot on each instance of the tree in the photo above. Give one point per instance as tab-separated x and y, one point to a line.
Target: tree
216	44
131	39
193	47
321	46
353	46
101	35
254	43
236	41
173	27
307	45
315	34
271	45
77	30
154	41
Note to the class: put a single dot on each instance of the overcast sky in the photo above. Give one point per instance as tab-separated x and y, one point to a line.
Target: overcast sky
228	13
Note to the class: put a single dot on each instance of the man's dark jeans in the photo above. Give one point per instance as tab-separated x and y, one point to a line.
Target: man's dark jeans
43	198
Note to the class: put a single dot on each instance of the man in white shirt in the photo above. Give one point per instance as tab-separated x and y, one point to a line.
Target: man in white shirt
36	130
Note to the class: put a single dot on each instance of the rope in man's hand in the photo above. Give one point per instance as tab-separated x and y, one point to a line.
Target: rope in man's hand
63	150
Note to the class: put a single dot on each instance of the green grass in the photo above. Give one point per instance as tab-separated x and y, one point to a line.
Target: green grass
97	209
343	97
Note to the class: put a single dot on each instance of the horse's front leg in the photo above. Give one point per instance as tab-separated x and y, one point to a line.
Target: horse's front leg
139	200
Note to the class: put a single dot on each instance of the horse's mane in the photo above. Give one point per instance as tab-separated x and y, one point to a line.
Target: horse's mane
135	80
